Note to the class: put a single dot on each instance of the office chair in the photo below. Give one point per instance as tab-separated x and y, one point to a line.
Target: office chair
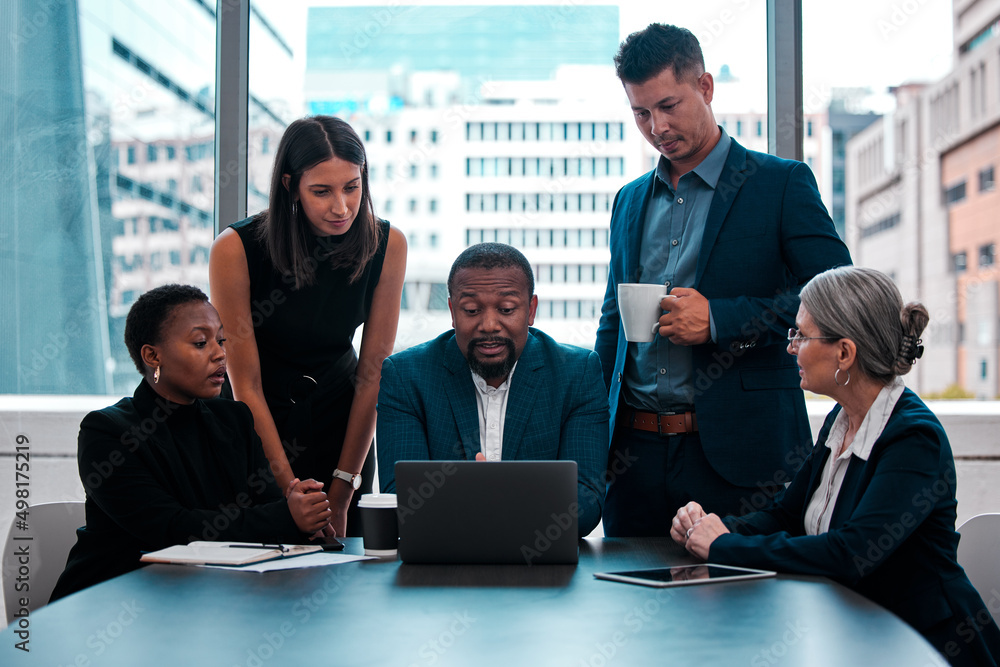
979	554
52	529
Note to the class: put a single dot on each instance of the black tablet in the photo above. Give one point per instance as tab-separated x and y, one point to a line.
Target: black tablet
685	575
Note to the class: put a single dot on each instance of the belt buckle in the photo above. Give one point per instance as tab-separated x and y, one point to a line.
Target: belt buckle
301	388
659	427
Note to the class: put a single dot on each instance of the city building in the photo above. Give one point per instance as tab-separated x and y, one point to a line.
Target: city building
922	205
528	148
116	126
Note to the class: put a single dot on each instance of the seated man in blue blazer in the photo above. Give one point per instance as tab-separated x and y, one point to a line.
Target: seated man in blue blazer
493	388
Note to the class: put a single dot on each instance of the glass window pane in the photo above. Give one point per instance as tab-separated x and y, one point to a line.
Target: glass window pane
468	89
127	86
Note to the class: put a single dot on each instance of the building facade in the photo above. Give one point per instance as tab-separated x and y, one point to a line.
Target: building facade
922	205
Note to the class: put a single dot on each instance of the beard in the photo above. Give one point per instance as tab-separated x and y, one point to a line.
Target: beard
491	370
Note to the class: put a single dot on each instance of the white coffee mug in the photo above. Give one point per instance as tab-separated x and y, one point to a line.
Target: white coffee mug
639	307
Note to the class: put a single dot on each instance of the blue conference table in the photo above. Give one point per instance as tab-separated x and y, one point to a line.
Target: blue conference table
384	613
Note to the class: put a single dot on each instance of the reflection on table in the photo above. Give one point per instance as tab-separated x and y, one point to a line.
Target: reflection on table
387	613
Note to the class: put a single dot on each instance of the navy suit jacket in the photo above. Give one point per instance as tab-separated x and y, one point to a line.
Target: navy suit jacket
892	533
556	410
767	233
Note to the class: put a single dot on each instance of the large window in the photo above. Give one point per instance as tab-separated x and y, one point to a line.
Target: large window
114	130
482	121
499	122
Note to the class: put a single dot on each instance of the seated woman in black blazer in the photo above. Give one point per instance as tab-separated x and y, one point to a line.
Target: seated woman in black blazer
873	506
171	465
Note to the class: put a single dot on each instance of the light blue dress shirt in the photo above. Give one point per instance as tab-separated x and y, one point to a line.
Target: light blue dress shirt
658	376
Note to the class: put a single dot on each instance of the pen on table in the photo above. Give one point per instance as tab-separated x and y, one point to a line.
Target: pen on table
279	547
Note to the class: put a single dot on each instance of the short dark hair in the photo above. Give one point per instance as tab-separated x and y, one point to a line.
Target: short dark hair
646	53
285	231
146	317
492	256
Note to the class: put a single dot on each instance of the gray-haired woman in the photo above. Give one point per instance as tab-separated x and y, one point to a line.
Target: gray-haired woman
873	506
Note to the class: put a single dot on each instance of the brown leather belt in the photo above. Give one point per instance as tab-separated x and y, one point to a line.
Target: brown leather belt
664	423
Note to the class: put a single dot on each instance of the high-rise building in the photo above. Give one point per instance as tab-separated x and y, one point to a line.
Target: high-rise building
518	135
110	117
922	205
53	315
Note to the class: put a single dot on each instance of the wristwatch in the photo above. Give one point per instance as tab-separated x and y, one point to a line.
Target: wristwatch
354	480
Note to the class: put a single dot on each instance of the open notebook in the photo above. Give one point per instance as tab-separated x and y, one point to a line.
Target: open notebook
226	553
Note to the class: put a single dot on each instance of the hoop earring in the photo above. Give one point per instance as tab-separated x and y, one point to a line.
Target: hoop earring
156	375
836	375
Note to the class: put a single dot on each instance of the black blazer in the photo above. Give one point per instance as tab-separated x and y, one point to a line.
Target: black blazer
144	493
892	534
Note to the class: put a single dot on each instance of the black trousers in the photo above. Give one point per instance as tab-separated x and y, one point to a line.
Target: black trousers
650	476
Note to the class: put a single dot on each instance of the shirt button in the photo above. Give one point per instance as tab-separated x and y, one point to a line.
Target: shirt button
493	425
674	242
663	371
680	200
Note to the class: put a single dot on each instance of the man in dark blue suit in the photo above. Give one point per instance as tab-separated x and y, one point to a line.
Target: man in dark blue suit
711	409
493	388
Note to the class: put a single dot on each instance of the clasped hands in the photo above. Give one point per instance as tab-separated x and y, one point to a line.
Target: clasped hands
309	506
686	317
695	530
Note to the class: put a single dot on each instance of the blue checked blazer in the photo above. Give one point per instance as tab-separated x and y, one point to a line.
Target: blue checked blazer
557	410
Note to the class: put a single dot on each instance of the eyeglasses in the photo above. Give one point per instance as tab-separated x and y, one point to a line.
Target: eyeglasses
795	337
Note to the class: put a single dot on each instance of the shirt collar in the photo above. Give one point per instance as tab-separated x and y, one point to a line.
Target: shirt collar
487	390
872	426
709	170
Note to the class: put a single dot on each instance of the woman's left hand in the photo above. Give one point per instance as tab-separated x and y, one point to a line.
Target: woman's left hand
701	535
339	494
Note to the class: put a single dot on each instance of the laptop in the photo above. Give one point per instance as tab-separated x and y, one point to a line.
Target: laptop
517	512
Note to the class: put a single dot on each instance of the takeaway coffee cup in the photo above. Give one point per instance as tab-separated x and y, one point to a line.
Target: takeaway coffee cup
379	529
639	306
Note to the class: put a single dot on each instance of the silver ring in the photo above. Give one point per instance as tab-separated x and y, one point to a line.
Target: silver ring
689	531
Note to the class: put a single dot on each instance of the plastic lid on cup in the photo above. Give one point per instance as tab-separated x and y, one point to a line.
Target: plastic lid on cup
377	500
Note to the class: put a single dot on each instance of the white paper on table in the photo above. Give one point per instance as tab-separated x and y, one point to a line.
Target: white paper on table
318	559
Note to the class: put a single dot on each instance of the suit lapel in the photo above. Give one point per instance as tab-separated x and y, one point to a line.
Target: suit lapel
636	210
733	175
521	398
461	393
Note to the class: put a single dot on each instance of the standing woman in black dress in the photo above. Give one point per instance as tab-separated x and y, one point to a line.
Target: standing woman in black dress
292	284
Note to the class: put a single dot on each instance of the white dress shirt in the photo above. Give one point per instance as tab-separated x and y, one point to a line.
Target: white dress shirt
824	499
492	414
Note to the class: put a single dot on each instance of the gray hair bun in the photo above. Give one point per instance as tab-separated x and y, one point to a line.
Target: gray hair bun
914	319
